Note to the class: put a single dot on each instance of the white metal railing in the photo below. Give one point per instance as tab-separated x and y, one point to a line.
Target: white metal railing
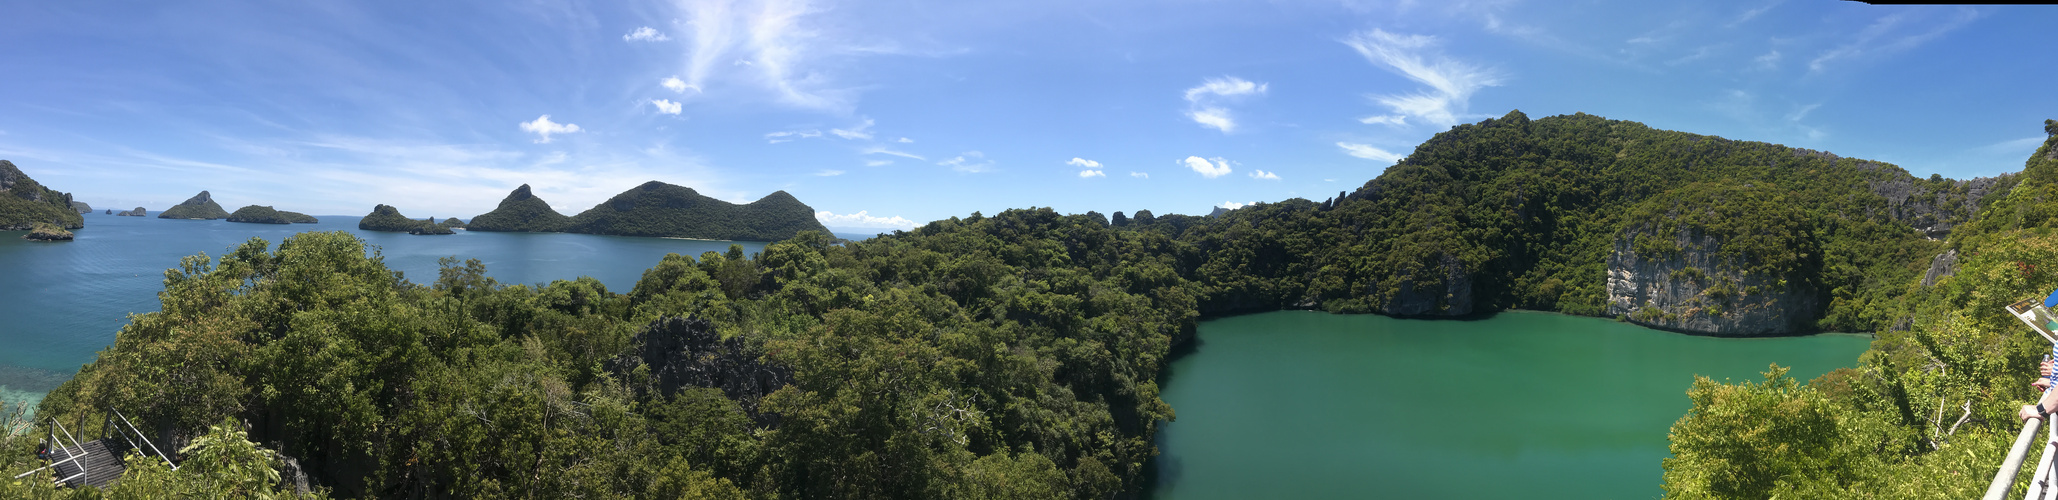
2004	479
146	439
75	444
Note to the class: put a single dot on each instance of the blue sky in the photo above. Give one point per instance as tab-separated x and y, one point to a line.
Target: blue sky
893	113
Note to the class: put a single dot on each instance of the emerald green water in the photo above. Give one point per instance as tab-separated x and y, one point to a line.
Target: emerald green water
1521	405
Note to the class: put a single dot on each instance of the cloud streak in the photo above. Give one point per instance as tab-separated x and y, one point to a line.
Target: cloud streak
1368	152
543	128
1206	168
1207	104
645	34
863	219
1451	82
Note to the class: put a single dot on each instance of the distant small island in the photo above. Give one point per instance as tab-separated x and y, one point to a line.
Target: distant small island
658	209
82	207
200	206
387	218
138	212
24	203
266	215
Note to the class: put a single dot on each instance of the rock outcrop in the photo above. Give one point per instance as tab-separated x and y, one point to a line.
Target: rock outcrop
44	231
1935	206
1696	290
1446	290
82	207
687	352
138	212
1943	266
200	206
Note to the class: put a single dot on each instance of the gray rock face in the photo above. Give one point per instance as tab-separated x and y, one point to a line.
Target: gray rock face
1447	295
1936	209
1943	266
1695	293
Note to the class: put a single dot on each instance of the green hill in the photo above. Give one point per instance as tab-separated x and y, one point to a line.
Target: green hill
521	211
200	206
266	215
25	202
387	218
660	209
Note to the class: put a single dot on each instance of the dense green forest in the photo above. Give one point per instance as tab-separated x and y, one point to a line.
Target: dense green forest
266	215
1018	355
200	206
25	202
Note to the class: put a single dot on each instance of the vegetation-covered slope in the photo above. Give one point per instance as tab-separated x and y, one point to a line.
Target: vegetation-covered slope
660	209
386	218
25	202
200	206
520	211
266	215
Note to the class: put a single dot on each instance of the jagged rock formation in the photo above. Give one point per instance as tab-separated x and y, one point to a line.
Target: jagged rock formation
1943	266
521	211
687	352
200	206
44	231
82	207
266	215
1933	206
24	202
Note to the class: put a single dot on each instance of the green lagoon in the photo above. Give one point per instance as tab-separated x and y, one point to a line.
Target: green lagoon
1523	404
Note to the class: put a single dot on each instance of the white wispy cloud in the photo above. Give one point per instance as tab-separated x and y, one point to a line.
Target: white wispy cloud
905	140
1234	205
1091	173
646	34
863	219
829	173
1209	169
862	131
1206	104
1395	120
1368	152
543	128
878	163
1139	175
1768	61
1082	162
789	48
666	106
1895	32
1263	175
972	162
791	135
876	150
674	83
1451	82
2021	146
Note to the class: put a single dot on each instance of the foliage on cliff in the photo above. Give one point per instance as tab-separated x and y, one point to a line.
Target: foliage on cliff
1011	356
44	231
24	202
266	215
1928	412
520	211
659	209
200	206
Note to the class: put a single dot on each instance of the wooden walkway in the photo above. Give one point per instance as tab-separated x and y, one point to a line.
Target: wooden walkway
95	465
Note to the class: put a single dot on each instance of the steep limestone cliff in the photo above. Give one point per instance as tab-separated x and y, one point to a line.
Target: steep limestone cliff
1695	291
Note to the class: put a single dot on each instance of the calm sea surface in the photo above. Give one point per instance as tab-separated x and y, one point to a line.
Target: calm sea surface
1522	405
61	302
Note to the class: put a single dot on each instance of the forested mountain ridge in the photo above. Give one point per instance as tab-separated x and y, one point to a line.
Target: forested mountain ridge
520	211
200	206
659	209
1018	355
25	202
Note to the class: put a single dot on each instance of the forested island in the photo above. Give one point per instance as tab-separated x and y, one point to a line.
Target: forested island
387	218
200	206
658	209
266	215
1018	355
25	202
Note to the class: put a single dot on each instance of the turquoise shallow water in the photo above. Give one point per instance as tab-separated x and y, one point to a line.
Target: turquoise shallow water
1521	405
64	301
